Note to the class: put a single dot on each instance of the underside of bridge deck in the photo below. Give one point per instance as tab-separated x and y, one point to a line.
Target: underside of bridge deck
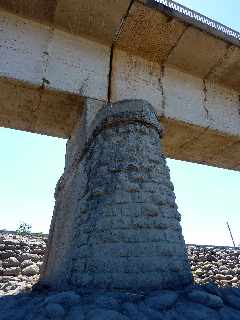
56	54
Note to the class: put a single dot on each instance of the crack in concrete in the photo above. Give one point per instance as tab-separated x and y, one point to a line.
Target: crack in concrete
224	148
45	55
45	82
220	61
83	87
161	86
114	41
176	44
194	139
239	104
109	91
205	99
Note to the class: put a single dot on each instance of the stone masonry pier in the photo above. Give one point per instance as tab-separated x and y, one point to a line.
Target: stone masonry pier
115	223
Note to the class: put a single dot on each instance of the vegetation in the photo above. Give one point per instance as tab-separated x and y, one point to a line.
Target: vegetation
24	229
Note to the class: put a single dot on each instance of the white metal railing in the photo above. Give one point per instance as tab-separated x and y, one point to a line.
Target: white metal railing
202	19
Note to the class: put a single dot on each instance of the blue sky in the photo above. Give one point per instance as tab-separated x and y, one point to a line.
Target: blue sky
31	164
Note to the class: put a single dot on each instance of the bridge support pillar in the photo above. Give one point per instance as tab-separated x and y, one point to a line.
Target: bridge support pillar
116	223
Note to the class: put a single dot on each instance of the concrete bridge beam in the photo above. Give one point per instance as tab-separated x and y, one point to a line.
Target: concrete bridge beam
46	72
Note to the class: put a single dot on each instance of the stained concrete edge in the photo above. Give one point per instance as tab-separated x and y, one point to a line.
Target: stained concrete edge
157	5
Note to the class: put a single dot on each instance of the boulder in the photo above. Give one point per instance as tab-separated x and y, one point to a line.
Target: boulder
55	311
208	299
11	262
68	298
12	271
163	300
103	314
31	270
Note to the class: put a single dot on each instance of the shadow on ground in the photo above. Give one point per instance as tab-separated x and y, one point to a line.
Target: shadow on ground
194	302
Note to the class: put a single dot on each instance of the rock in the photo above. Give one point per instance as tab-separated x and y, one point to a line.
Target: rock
68	298
163	300
55	311
134	297
10	241
11	262
39	264
236	291
228	313
31	270
131	310
195	311
14	314
26	263
75	313
198	272
234	280
208	299
30	256
213	289
101	314
7	254
11	246
232	300
107	302
150	313
13	271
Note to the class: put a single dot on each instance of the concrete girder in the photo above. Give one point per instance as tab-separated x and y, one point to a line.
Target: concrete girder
39	55
144	29
197	98
140	24
98	20
190	55
176	95
38	110
39	10
186	142
227	69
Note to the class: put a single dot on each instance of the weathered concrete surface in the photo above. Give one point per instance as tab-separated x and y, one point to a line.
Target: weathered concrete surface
40	10
140	23
97	20
201	118
115	222
201	63
128	50
36	109
39	55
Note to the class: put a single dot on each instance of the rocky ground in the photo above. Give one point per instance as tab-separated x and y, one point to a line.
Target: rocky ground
215	294
192	303
20	262
220	265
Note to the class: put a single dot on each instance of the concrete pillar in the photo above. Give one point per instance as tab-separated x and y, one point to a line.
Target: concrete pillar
116	224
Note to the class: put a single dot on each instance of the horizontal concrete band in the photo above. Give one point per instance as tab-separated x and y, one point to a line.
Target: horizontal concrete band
126	111
117	114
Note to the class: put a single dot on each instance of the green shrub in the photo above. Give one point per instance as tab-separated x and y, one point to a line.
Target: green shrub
24	229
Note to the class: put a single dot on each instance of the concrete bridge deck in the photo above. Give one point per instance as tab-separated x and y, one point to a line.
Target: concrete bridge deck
54	54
